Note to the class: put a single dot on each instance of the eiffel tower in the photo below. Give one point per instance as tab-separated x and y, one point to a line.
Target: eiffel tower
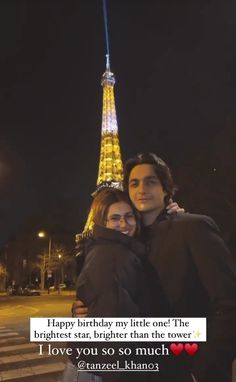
110	172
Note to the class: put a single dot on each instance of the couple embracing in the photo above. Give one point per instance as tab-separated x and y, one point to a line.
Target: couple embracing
178	267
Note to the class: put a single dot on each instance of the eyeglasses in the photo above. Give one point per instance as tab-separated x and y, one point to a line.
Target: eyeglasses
129	218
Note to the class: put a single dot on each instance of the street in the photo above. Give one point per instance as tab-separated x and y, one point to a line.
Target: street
19	358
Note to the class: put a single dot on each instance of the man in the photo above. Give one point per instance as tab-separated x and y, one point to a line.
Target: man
194	267
191	265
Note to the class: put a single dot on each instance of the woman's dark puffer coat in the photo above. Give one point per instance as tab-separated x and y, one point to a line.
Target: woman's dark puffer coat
112	282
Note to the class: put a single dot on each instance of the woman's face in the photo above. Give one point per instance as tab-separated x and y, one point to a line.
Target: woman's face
120	217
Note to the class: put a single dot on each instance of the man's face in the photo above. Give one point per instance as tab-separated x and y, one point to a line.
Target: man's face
145	189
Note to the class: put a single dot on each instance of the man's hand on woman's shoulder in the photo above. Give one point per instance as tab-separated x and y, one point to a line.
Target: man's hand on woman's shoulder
173	208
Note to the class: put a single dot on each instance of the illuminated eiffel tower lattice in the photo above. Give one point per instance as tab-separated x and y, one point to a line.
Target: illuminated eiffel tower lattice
110	173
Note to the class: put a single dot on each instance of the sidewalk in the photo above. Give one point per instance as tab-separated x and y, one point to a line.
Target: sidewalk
45	292
56	292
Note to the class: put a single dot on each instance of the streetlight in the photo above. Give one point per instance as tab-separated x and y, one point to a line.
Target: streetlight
60	273
61	267
60	278
43	234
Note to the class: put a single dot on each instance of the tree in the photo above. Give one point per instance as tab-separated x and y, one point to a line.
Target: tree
55	265
3	276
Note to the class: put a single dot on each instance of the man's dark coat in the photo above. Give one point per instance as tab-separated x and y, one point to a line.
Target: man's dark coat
197	278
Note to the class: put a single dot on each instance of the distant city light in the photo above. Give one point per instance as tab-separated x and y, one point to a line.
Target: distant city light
41	234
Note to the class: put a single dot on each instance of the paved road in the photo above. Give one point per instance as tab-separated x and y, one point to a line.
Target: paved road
19	358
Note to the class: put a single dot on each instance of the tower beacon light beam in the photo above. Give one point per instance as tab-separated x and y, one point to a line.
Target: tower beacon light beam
110	172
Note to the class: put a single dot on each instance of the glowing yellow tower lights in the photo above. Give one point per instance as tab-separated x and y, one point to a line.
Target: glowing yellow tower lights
110	164
110	172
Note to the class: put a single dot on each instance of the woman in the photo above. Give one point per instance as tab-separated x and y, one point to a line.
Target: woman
113	258
112	282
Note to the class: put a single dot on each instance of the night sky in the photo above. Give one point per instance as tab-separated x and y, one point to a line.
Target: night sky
175	68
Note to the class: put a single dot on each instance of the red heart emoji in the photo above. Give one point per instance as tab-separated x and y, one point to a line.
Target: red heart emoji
191	349
176	349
